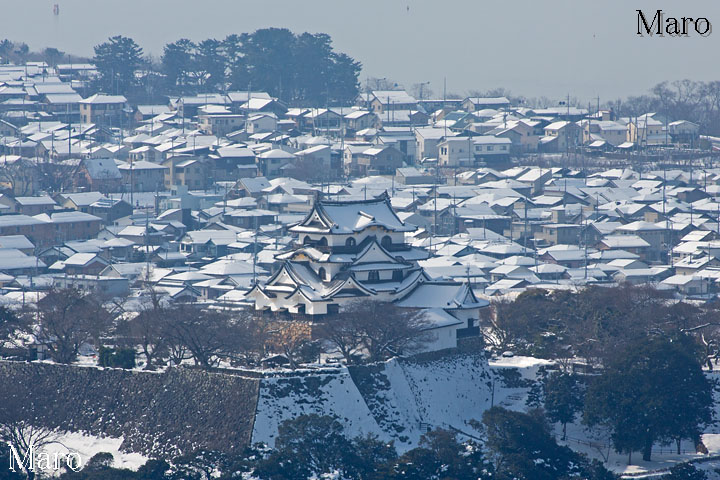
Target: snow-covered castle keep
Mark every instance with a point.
(355, 250)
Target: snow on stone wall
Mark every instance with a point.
(286, 398)
(397, 400)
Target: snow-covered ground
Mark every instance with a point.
(596, 443)
(87, 446)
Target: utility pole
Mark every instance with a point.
(69, 132)
(443, 109)
(254, 281)
(525, 234)
(586, 245)
(437, 174)
(132, 203)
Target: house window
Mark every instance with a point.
(321, 273)
(397, 276)
(386, 241)
(490, 148)
(373, 276)
(350, 242)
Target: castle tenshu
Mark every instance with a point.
(354, 250)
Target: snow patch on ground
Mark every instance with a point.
(88, 445)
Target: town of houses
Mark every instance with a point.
(237, 200)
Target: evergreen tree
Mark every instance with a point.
(441, 456)
(655, 392)
(563, 398)
(177, 63)
(368, 459)
(685, 471)
(523, 449)
(210, 64)
(305, 446)
(116, 61)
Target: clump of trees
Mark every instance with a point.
(116, 61)
(521, 446)
(655, 392)
(65, 320)
(697, 101)
(296, 68)
(594, 324)
(648, 349)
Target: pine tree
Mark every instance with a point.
(563, 399)
(655, 391)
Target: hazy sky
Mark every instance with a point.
(532, 47)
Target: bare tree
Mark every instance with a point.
(289, 338)
(208, 336)
(373, 84)
(19, 425)
(20, 176)
(148, 330)
(65, 320)
(378, 329)
(342, 334)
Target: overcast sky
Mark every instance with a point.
(531, 47)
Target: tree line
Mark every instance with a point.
(299, 69)
(65, 321)
(697, 101)
(596, 323)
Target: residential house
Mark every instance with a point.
(360, 119)
(379, 160)
(389, 100)
(272, 161)
(103, 110)
(100, 174)
(28, 205)
(427, 139)
(110, 210)
(185, 170)
(684, 131)
(559, 136)
(472, 104)
(218, 120)
(142, 176)
(232, 162)
(468, 151)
